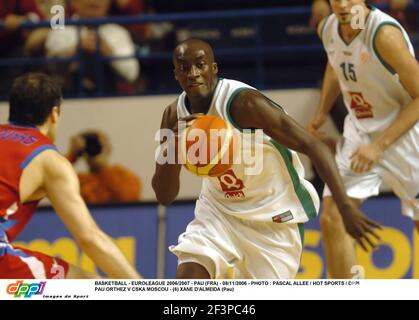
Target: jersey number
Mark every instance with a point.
(348, 71)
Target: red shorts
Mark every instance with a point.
(18, 263)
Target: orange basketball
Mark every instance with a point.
(207, 146)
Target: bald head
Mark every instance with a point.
(193, 46)
(195, 69)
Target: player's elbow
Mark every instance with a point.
(165, 201)
(165, 198)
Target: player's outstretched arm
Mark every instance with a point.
(165, 181)
(62, 188)
(251, 109)
(329, 93)
(393, 49)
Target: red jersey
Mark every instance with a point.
(18, 146)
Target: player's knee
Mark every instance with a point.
(326, 222)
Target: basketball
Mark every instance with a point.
(208, 146)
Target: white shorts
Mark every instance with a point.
(230, 247)
(398, 168)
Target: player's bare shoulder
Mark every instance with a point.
(41, 168)
(387, 36)
(56, 164)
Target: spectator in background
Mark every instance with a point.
(397, 10)
(35, 44)
(13, 13)
(191, 5)
(104, 183)
(114, 41)
(320, 9)
(13, 39)
(46, 5)
(131, 8)
(127, 7)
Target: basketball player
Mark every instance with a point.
(246, 226)
(31, 168)
(375, 70)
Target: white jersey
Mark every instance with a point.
(371, 90)
(279, 193)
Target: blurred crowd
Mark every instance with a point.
(93, 55)
(110, 40)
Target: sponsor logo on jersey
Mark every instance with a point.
(364, 57)
(360, 107)
(231, 185)
(283, 217)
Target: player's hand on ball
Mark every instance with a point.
(177, 129)
(359, 227)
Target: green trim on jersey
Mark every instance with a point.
(386, 65)
(301, 231)
(230, 103)
(300, 190)
(324, 24)
(274, 103)
(357, 36)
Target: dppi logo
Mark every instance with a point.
(27, 290)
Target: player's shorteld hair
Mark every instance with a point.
(32, 97)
